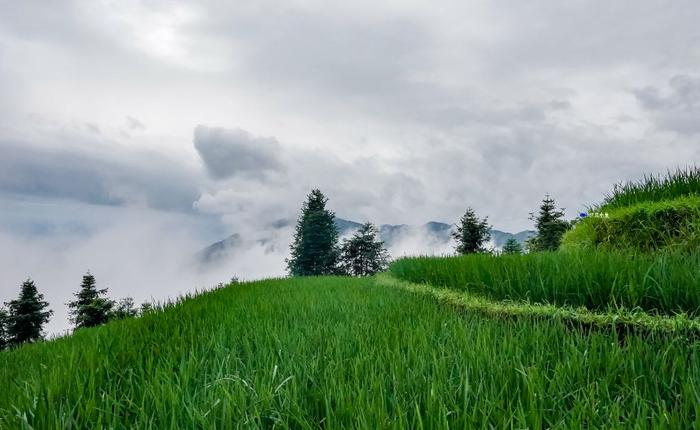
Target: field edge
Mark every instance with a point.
(636, 320)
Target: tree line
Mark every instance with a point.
(24, 318)
(316, 250)
(472, 232)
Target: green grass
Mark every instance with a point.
(346, 353)
(657, 213)
(623, 320)
(654, 188)
(670, 225)
(601, 281)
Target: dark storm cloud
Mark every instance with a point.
(104, 175)
(235, 152)
(270, 180)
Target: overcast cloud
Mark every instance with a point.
(224, 116)
(229, 153)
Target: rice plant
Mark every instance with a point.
(345, 353)
(652, 188)
(669, 225)
(663, 284)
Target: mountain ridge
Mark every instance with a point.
(390, 234)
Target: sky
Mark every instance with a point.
(133, 133)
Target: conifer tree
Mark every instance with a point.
(512, 246)
(315, 248)
(550, 225)
(91, 308)
(364, 254)
(26, 315)
(125, 308)
(471, 233)
(3, 329)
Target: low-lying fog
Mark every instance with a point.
(145, 254)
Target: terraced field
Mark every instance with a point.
(603, 334)
(656, 213)
(661, 284)
(348, 353)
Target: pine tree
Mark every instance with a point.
(471, 233)
(315, 248)
(3, 329)
(512, 246)
(26, 315)
(91, 308)
(550, 225)
(364, 254)
(125, 308)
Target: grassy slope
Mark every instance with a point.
(648, 226)
(654, 213)
(664, 284)
(625, 321)
(345, 353)
(653, 188)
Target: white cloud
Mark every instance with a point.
(400, 112)
(677, 108)
(140, 253)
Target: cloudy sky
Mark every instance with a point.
(132, 129)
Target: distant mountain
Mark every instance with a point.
(439, 231)
(434, 233)
(217, 250)
(344, 226)
(499, 238)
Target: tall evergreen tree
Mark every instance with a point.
(315, 248)
(512, 246)
(550, 225)
(3, 329)
(471, 233)
(364, 254)
(91, 308)
(26, 315)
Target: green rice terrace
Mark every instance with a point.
(604, 333)
(656, 213)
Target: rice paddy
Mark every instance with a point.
(660, 284)
(602, 335)
(346, 353)
(653, 188)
